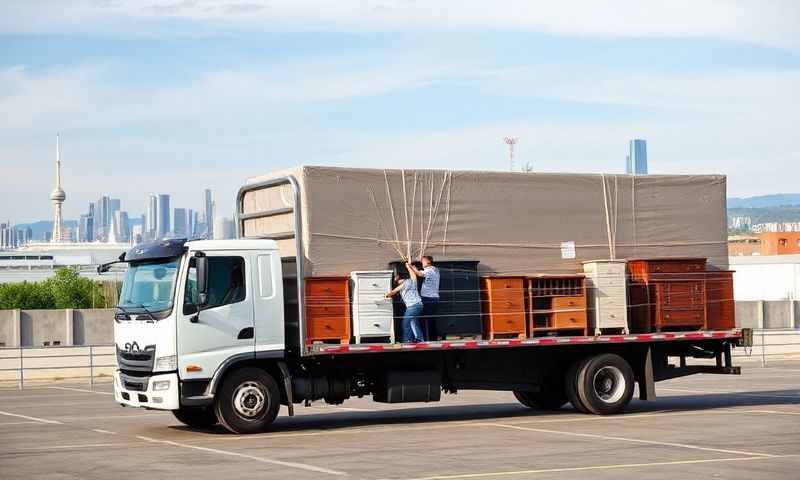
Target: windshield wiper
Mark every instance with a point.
(139, 305)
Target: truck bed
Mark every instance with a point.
(328, 349)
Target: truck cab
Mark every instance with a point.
(188, 309)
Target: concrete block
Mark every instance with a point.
(93, 326)
(748, 314)
(9, 328)
(38, 327)
(778, 314)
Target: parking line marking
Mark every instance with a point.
(301, 466)
(634, 440)
(744, 394)
(35, 419)
(596, 467)
(31, 422)
(774, 412)
(99, 430)
(82, 390)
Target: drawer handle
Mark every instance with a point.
(375, 285)
(509, 303)
(328, 327)
(376, 325)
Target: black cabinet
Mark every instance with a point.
(459, 312)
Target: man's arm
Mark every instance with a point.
(412, 271)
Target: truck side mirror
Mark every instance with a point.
(202, 279)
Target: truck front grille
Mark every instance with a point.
(138, 360)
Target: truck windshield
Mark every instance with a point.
(149, 286)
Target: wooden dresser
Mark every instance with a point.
(372, 311)
(503, 303)
(667, 294)
(327, 309)
(608, 300)
(721, 309)
(557, 304)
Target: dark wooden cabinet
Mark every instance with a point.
(459, 312)
(721, 309)
(556, 304)
(327, 309)
(503, 302)
(667, 294)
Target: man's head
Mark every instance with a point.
(427, 261)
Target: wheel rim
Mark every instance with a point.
(609, 384)
(249, 400)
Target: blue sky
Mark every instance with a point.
(178, 95)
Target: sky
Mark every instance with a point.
(174, 96)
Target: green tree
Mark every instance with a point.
(25, 295)
(70, 290)
(66, 289)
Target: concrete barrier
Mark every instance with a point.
(93, 326)
(778, 314)
(749, 314)
(45, 327)
(9, 328)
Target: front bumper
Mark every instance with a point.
(147, 397)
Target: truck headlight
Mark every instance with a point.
(161, 385)
(167, 363)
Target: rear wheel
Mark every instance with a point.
(605, 384)
(571, 385)
(544, 400)
(247, 401)
(196, 417)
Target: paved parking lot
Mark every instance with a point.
(703, 426)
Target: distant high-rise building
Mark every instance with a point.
(86, 228)
(163, 216)
(636, 161)
(223, 228)
(180, 223)
(190, 223)
(122, 226)
(151, 217)
(208, 214)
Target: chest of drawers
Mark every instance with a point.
(721, 310)
(668, 294)
(607, 292)
(503, 303)
(372, 312)
(327, 309)
(557, 305)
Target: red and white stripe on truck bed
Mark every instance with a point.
(319, 349)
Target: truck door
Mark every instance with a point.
(224, 325)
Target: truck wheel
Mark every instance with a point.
(544, 400)
(571, 385)
(196, 417)
(605, 384)
(247, 401)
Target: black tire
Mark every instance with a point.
(196, 417)
(247, 401)
(544, 400)
(571, 385)
(605, 384)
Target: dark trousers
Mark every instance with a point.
(430, 305)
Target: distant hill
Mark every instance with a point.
(43, 226)
(766, 201)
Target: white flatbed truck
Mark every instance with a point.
(213, 330)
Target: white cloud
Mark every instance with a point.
(753, 21)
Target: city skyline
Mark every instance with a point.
(183, 97)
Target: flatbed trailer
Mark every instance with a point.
(235, 361)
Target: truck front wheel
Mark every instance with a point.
(247, 401)
(605, 384)
(196, 417)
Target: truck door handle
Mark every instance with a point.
(245, 333)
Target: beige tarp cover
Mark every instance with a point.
(513, 223)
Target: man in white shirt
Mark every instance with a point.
(430, 295)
